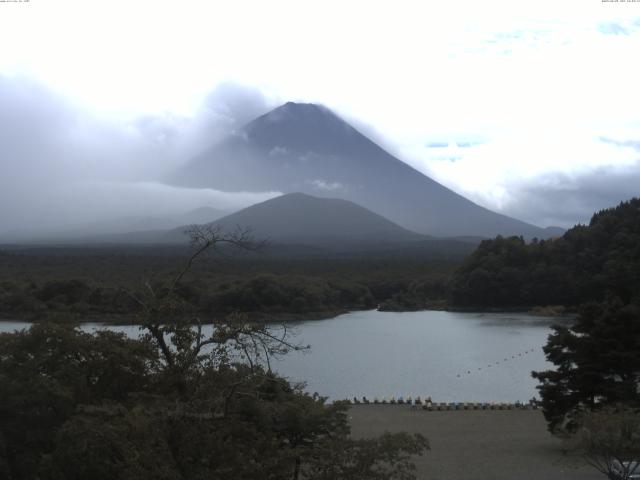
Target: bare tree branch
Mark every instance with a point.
(183, 342)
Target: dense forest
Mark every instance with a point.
(596, 269)
(40, 283)
(586, 264)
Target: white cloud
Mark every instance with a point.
(504, 172)
(112, 199)
(327, 186)
(84, 202)
(60, 164)
(276, 151)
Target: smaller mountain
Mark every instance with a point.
(297, 218)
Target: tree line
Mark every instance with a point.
(587, 263)
(89, 284)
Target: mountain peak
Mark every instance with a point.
(305, 147)
(298, 112)
(302, 105)
(305, 126)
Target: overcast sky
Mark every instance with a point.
(530, 108)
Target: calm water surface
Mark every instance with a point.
(449, 356)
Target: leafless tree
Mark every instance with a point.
(179, 336)
(610, 441)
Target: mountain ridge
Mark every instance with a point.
(298, 218)
(308, 148)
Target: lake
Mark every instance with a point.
(450, 356)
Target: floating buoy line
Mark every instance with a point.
(497, 363)
(426, 403)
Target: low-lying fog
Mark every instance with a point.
(65, 168)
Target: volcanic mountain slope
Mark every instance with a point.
(307, 148)
(297, 218)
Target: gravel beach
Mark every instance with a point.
(477, 444)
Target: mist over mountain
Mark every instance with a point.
(142, 224)
(64, 166)
(130, 229)
(307, 148)
(293, 225)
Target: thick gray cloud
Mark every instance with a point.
(60, 164)
(563, 200)
(225, 109)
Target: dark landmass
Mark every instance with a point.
(307, 148)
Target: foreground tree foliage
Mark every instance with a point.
(585, 264)
(177, 403)
(597, 363)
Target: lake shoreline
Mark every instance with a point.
(132, 319)
(536, 310)
(296, 317)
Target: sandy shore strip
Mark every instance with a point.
(477, 444)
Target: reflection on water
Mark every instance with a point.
(449, 356)
(521, 320)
